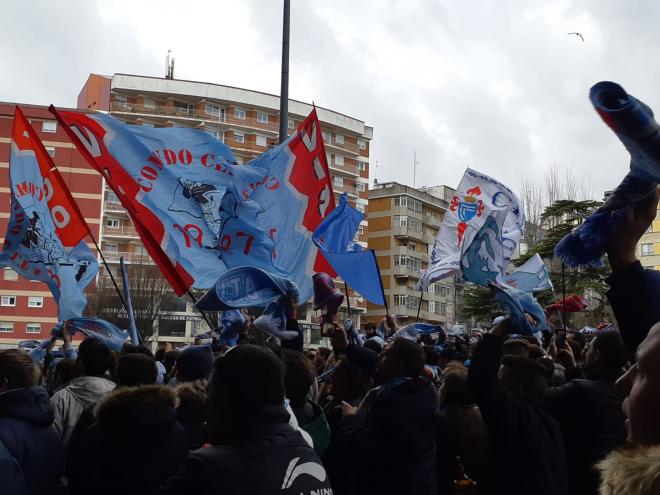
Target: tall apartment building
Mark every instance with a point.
(245, 120)
(403, 225)
(648, 249)
(27, 308)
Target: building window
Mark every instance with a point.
(360, 207)
(361, 187)
(33, 328)
(149, 103)
(647, 249)
(262, 117)
(49, 126)
(239, 113)
(414, 224)
(400, 221)
(400, 200)
(50, 150)
(215, 110)
(148, 124)
(361, 166)
(141, 251)
(8, 301)
(338, 181)
(339, 160)
(443, 308)
(361, 230)
(112, 198)
(112, 223)
(327, 138)
(121, 99)
(289, 124)
(239, 137)
(412, 302)
(35, 302)
(361, 144)
(6, 326)
(111, 247)
(339, 139)
(10, 274)
(215, 134)
(400, 300)
(262, 141)
(412, 246)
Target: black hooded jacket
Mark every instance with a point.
(274, 458)
(390, 445)
(26, 417)
(135, 444)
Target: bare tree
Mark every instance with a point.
(531, 195)
(150, 294)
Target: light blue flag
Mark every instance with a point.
(32, 247)
(520, 304)
(246, 287)
(359, 269)
(482, 259)
(530, 277)
(97, 328)
(188, 193)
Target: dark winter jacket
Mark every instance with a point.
(390, 448)
(275, 459)
(635, 299)
(26, 419)
(135, 444)
(190, 411)
(592, 424)
(527, 443)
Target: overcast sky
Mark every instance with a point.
(498, 86)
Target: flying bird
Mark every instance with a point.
(577, 34)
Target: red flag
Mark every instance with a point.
(88, 136)
(70, 225)
(313, 183)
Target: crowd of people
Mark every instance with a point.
(486, 413)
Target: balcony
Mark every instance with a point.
(133, 258)
(113, 207)
(404, 312)
(123, 231)
(404, 272)
(191, 114)
(346, 147)
(407, 232)
(348, 169)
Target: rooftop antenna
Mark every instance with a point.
(169, 66)
(415, 163)
(376, 171)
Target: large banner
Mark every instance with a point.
(296, 196)
(46, 231)
(477, 195)
(198, 213)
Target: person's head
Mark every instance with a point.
(402, 358)
(454, 388)
(136, 369)
(605, 356)
(246, 381)
(524, 377)
(94, 357)
(160, 354)
(577, 341)
(641, 384)
(311, 354)
(136, 349)
(515, 347)
(169, 359)
(17, 370)
(195, 362)
(349, 382)
(64, 371)
(370, 329)
(299, 375)
(431, 355)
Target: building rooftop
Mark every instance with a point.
(383, 189)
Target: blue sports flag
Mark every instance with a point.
(97, 328)
(482, 259)
(45, 234)
(187, 196)
(530, 277)
(246, 287)
(358, 268)
(526, 313)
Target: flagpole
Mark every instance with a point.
(107, 267)
(194, 300)
(132, 327)
(348, 299)
(563, 291)
(284, 87)
(419, 306)
(380, 280)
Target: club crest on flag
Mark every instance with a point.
(467, 208)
